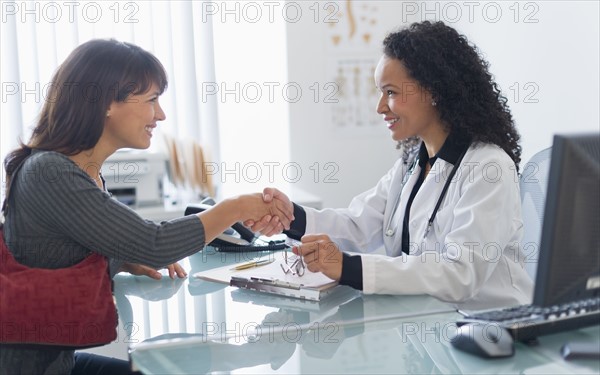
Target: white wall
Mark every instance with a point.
(250, 77)
(348, 161)
(546, 52)
(558, 57)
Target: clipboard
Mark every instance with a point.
(313, 286)
(283, 288)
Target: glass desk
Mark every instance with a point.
(195, 326)
(411, 346)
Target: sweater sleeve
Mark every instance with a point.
(68, 201)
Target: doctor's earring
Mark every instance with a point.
(433, 103)
(107, 113)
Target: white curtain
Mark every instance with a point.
(38, 35)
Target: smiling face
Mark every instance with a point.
(130, 123)
(405, 105)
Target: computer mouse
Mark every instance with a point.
(484, 340)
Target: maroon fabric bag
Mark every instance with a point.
(71, 307)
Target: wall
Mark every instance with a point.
(544, 55)
(348, 159)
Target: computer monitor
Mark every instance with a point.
(569, 261)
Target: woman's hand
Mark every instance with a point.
(320, 254)
(244, 208)
(279, 216)
(141, 270)
(269, 226)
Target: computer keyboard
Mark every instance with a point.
(526, 322)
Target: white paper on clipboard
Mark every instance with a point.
(271, 279)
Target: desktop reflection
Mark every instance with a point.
(287, 340)
(206, 327)
(148, 289)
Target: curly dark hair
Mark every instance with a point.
(468, 100)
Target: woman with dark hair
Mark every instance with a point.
(57, 211)
(448, 213)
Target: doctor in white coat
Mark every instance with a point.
(448, 213)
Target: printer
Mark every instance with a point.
(136, 178)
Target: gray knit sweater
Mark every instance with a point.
(57, 215)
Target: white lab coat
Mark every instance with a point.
(471, 256)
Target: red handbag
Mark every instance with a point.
(71, 307)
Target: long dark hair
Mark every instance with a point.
(94, 75)
(468, 100)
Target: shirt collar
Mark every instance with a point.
(451, 150)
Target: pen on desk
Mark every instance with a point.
(253, 264)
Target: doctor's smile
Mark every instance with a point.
(391, 122)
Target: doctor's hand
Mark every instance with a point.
(272, 212)
(269, 226)
(321, 254)
(141, 270)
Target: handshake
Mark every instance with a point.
(276, 208)
(272, 212)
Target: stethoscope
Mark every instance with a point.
(390, 231)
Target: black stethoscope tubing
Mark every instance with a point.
(389, 231)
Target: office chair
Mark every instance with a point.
(533, 183)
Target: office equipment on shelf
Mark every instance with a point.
(272, 279)
(136, 178)
(567, 284)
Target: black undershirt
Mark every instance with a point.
(405, 232)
